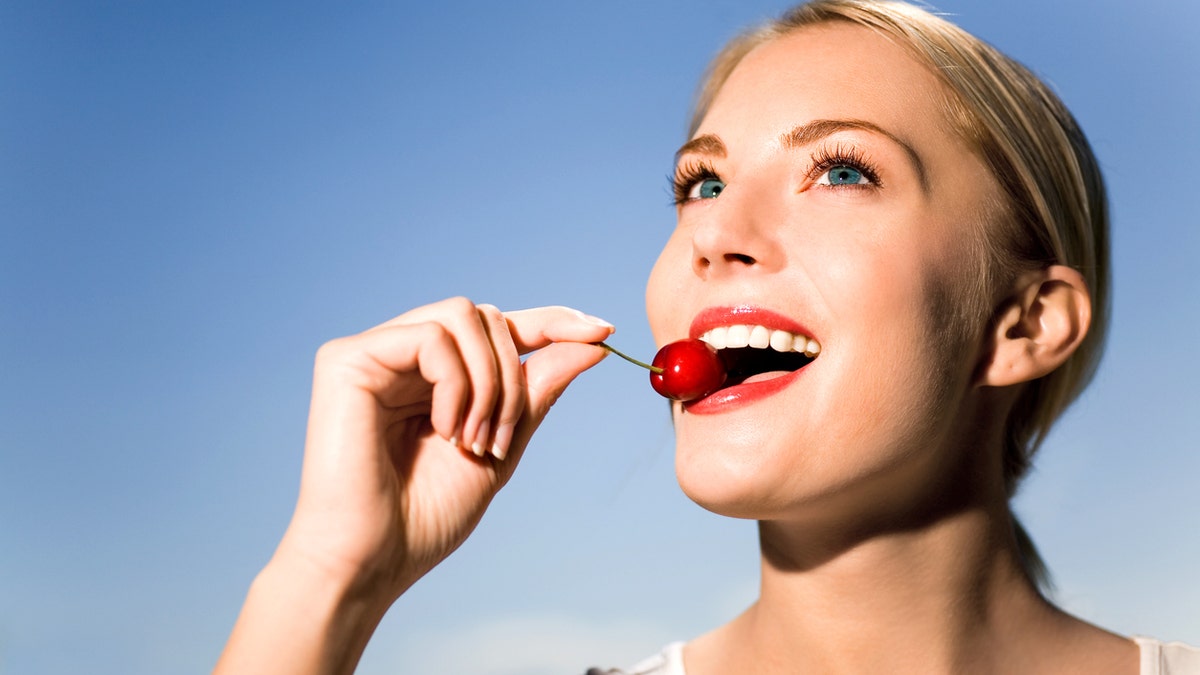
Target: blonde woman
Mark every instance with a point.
(864, 177)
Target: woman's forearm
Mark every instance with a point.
(298, 620)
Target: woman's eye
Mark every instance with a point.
(843, 175)
(709, 188)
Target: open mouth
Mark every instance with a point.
(753, 353)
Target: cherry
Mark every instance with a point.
(690, 369)
(684, 370)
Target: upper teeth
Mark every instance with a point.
(760, 337)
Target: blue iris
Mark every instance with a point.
(845, 175)
(709, 188)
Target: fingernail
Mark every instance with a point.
(594, 320)
(481, 436)
(504, 434)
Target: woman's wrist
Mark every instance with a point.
(300, 618)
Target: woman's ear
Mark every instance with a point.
(1038, 326)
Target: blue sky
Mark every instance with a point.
(194, 196)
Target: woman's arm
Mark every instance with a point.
(414, 426)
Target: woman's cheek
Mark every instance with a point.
(664, 287)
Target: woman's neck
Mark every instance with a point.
(949, 597)
(920, 596)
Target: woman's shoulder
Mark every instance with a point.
(1167, 658)
(667, 662)
(1157, 658)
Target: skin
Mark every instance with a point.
(390, 484)
(876, 477)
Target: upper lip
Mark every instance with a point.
(714, 317)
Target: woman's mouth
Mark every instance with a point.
(763, 351)
(753, 353)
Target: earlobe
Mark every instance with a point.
(1038, 327)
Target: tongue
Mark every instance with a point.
(759, 377)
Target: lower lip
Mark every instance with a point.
(730, 398)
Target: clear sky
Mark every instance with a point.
(194, 196)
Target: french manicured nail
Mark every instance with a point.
(479, 447)
(594, 320)
(504, 434)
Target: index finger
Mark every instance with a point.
(535, 328)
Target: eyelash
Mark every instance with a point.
(825, 158)
(828, 157)
(688, 174)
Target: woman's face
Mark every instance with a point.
(825, 195)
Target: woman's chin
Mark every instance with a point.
(725, 490)
(729, 508)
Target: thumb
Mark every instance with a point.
(547, 374)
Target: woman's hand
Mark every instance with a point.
(387, 490)
(414, 426)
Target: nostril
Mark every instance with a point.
(740, 258)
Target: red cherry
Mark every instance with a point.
(690, 369)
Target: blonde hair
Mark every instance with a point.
(1056, 208)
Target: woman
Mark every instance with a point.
(860, 175)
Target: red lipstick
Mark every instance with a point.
(713, 317)
(745, 393)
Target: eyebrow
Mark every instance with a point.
(809, 133)
(708, 144)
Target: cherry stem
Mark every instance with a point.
(630, 359)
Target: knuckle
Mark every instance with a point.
(432, 331)
(342, 361)
(492, 315)
(331, 351)
(460, 305)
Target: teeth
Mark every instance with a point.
(760, 337)
(738, 336)
(782, 341)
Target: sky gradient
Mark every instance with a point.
(195, 196)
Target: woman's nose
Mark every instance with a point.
(734, 237)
